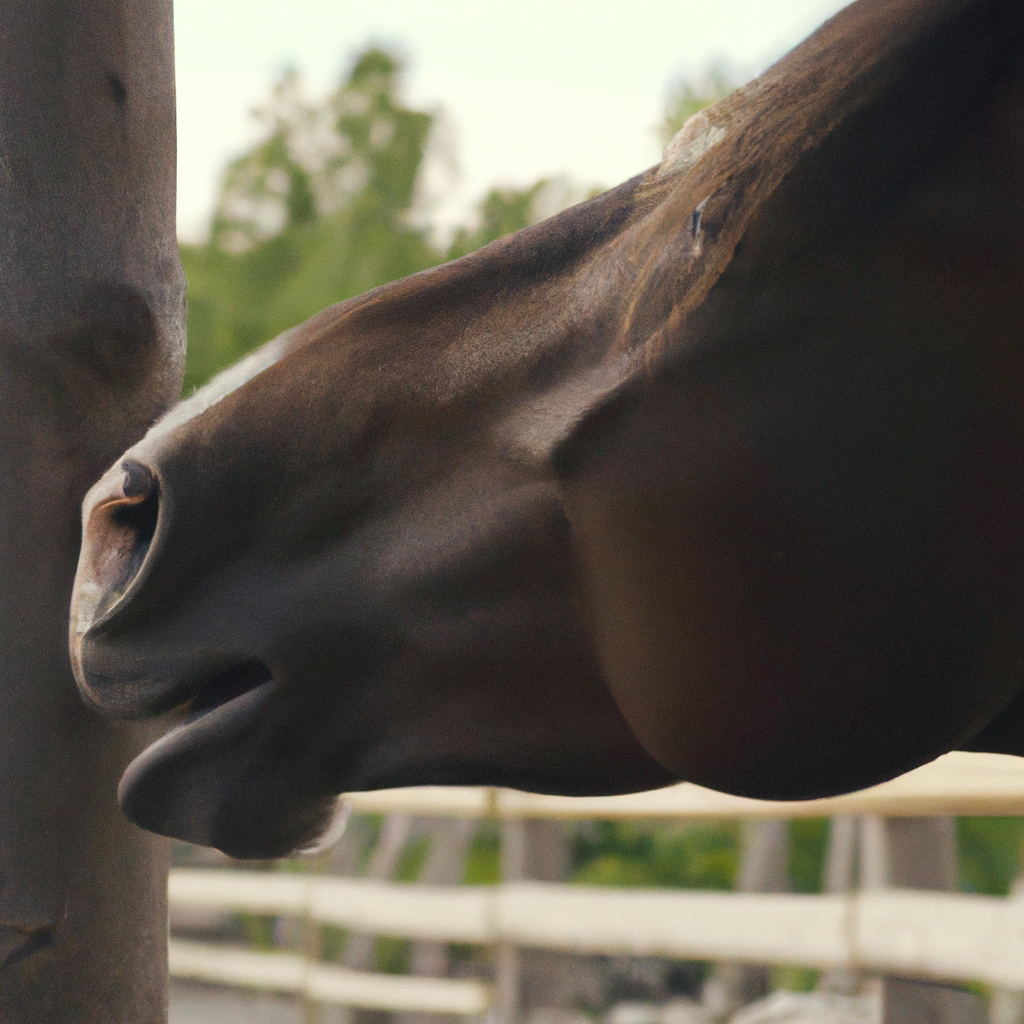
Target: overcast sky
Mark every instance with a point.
(530, 88)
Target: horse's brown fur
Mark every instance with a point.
(715, 476)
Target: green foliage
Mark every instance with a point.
(790, 978)
(333, 941)
(705, 856)
(315, 213)
(990, 853)
(631, 854)
(483, 862)
(258, 930)
(320, 210)
(686, 98)
(414, 856)
(808, 848)
(392, 955)
(358, 146)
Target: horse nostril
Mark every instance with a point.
(136, 518)
(138, 479)
(121, 514)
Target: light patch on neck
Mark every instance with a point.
(226, 382)
(702, 132)
(705, 130)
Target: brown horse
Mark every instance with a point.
(718, 476)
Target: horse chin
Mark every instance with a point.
(211, 781)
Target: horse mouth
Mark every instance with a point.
(227, 777)
(176, 786)
(225, 687)
(221, 713)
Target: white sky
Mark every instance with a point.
(531, 88)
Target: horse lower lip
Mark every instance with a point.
(226, 686)
(177, 785)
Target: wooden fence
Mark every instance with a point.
(939, 936)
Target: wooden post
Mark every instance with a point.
(916, 853)
(91, 351)
(311, 942)
(1006, 1006)
(394, 834)
(526, 980)
(763, 867)
(450, 841)
(841, 874)
(507, 957)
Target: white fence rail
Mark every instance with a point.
(957, 783)
(937, 936)
(927, 935)
(297, 975)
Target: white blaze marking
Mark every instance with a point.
(226, 382)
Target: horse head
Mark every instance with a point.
(717, 476)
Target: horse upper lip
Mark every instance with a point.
(109, 689)
(123, 696)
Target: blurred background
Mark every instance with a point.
(325, 148)
(412, 919)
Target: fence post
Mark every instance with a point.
(91, 351)
(763, 867)
(450, 841)
(394, 834)
(537, 849)
(312, 942)
(841, 874)
(1007, 1005)
(507, 958)
(916, 853)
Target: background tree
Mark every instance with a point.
(505, 210)
(687, 97)
(318, 211)
(324, 207)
